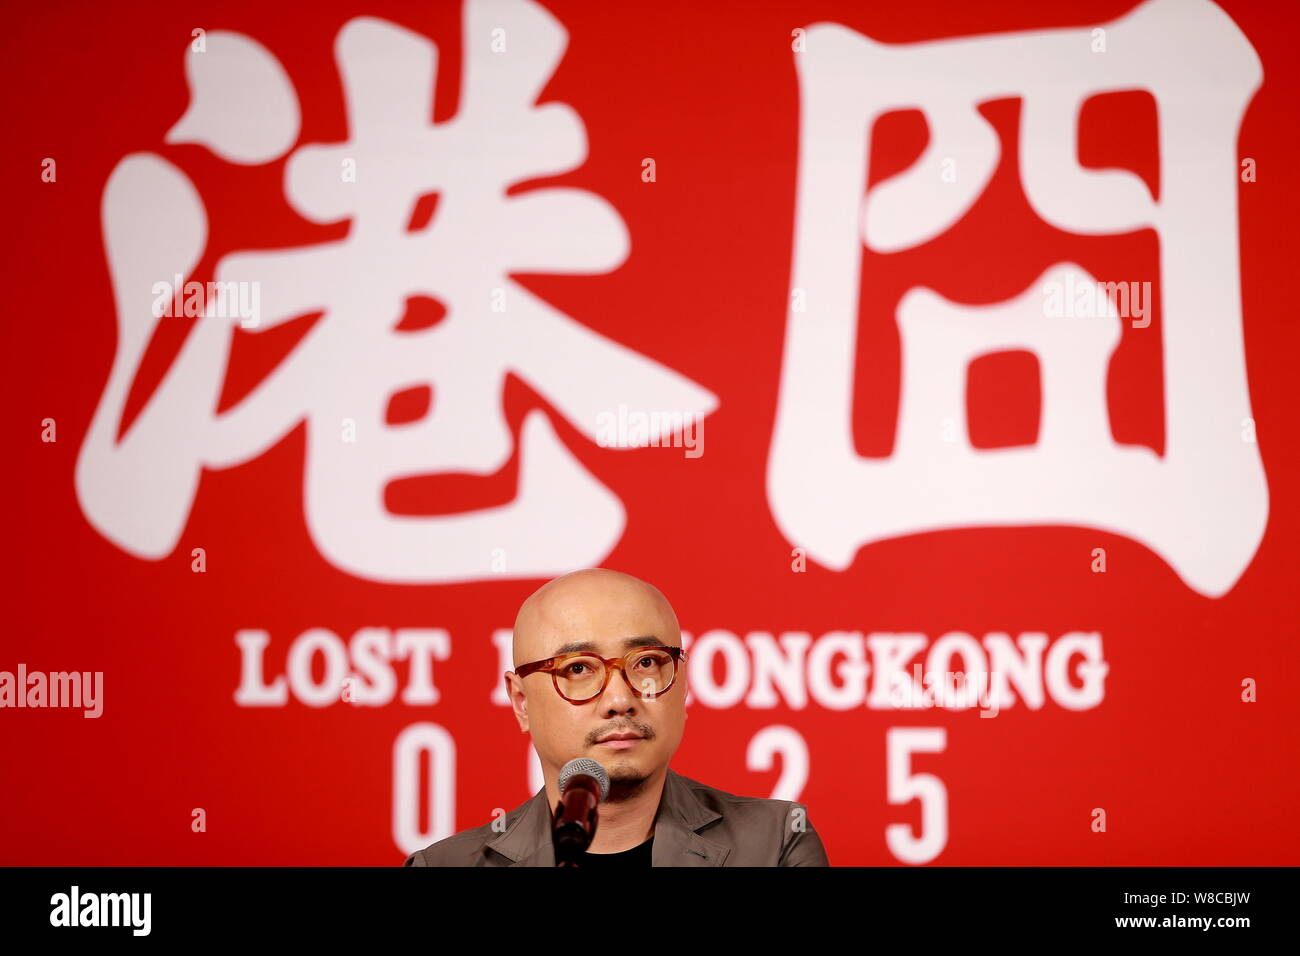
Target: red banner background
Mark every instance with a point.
(1186, 771)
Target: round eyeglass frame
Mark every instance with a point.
(552, 666)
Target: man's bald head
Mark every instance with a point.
(587, 603)
(606, 614)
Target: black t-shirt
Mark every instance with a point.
(637, 856)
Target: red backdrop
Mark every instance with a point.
(678, 225)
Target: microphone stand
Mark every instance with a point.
(573, 825)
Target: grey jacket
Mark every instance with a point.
(696, 825)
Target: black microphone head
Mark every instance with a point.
(587, 767)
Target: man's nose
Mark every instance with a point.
(617, 698)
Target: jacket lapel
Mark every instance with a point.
(528, 842)
(680, 815)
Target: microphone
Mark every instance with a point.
(583, 784)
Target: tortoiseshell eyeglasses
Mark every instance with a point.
(582, 676)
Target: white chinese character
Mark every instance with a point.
(1203, 505)
(340, 378)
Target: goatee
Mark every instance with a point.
(625, 782)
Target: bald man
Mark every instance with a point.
(600, 673)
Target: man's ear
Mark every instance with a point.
(518, 700)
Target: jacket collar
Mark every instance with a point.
(677, 842)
